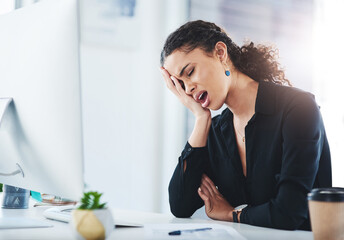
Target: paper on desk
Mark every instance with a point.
(22, 222)
(218, 232)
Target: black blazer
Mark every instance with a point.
(287, 154)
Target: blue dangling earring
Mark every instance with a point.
(227, 73)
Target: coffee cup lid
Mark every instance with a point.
(334, 194)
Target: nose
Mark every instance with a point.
(189, 88)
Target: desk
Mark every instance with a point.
(63, 231)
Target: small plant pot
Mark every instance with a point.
(92, 224)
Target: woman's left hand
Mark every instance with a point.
(216, 206)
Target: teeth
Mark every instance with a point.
(200, 96)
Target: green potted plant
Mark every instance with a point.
(92, 220)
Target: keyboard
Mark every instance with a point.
(64, 214)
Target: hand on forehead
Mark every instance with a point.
(179, 61)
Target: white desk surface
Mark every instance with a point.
(62, 230)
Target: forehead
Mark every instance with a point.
(178, 59)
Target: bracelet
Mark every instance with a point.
(236, 212)
(235, 216)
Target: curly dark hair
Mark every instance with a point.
(258, 62)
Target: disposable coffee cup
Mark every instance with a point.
(326, 209)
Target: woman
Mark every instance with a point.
(266, 150)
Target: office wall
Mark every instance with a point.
(133, 127)
(328, 78)
(6, 6)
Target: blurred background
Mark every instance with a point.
(135, 129)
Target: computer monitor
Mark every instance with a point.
(41, 128)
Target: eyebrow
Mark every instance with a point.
(182, 71)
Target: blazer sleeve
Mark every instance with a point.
(303, 136)
(183, 195)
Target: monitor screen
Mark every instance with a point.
(41, 128)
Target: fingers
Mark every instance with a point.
(207, 188)
(178, 86)
(210, 184)
(202, 194)
(206, 191)
(205, 198)
(169, 82)
(172, 83)
(165, 73)
(211, 188)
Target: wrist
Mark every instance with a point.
(237, 213)
(230, 216)
(203, 122)
(203, 117)
(200, 132)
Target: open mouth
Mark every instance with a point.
(203, 99)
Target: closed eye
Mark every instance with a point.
(190, 73)
(182, 84)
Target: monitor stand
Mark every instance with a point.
(4, 103)
(6, 221)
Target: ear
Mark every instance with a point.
(220, 51)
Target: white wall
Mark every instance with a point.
(6, 6)
(328, 53)
(133, 127)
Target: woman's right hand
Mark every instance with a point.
(188, 100)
